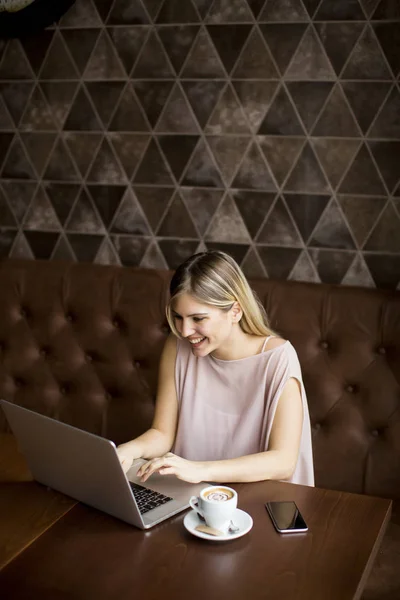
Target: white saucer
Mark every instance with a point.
(240, 518)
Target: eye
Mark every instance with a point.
(198, 319)
(177, 318)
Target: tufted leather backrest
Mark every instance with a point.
(81, 343)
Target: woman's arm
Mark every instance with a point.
(160, 437)
(278, 462)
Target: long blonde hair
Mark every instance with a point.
(214, 278)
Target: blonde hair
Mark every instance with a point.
(214, 278)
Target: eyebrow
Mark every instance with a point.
(192, 315)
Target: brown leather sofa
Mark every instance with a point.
(81, 343)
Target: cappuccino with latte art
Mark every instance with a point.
(219, 494)
(216, 505)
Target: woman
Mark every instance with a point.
(231, 402)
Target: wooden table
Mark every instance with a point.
(79, 553)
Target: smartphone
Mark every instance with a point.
(286, 517)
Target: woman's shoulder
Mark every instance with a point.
(274, 342)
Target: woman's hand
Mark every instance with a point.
(170, 464)
(126, 454)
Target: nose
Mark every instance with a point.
(186, 328)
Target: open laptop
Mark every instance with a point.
(86, 467)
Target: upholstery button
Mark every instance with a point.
(44, 352)
(70, 317)
(375, 432)
(89, 357)
(24, 313)
(351, 389)
(165, 329)
(138, 364)
(64, 389)
(19, 382)
(109, 396)
(317, 426)
(382, 350)
(324, 345)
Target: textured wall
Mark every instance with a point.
(138, 131)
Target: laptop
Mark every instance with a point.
(86, 467)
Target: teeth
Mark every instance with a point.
(196, 341)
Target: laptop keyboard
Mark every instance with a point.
(147, 499)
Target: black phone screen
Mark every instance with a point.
(286, 517)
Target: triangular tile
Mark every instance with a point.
(62, 197)
(226, 11)
(256, 6)
(365, 99)
(280, 153)
(228, 153)
(17, 165)
(388, 35)
(252, 266)
(201, 170)
(369, 6)
(203, 7)
(106, 199)
(85, 246)
(104, 62)
(229, 41)
(128, 12)
(16, 97)
(178, 41)
(82, 117)
(253, 172)
(340, 10)
(21, 248)
(80, 43)
(387, 123)
(177, 221)
(177, 116)
(5, 143)
(7, 218)
(152, 62)
(311, 6)
(307, 176)
(60, 167)
(387, 9)
(347, 33)
(306, 210)
(58, 63)
(41, 214)
(366, 60)
(228, 115)
(203, 61)
(103, 8)
(62, 250)
(331, 265)
(278, 262)
(129, 217)
(282, 40)
(152, 7)
(106, 254)
(202, 205)
(385, 235)
(36, 46)
(42, 243)
(37, 114)
(83, 147)
(83, 217)
(19, 195)
(14, 64)
(387, 157)
(227, 225)
(335, 156)
(105, 96)
(38, 147)
(153, 168)
(152, 96)
(336, 118)
(362, 177)
(5, 119)
(176, 11)
(128, 115)
(237, 251)
(203, 97)
(253, 207)
(255, 61)
(279, 228)
(384, 268)
(128, 42)
(153, 259)
(309, 98)
(281, 118)
(176, 251)
(154, 202)
(178, 149)
(81, 14)
(310, 60)
(332, 230)
(59, 97)
(255, 98)
(105, 167)
(131, 249)
(362, 213)
(304, 270)
(358, 274)
(129, 148)
(283, 10)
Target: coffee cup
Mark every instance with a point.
(217, 505)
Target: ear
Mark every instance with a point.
(237, 312)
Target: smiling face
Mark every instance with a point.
(207, 328)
